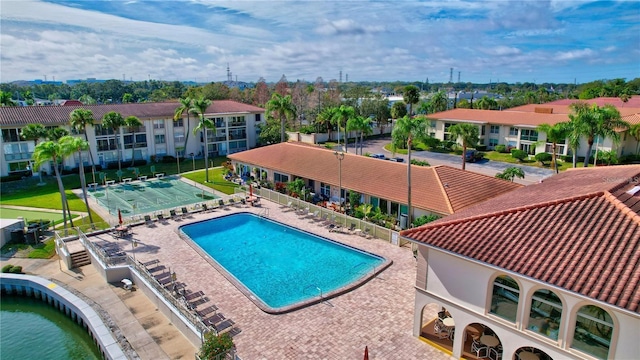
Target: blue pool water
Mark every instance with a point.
(279, 264)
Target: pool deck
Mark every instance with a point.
(378, 314)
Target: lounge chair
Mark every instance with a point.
(147, 220)
(224, 326)
(205, 208)
(185, 212)
(352, 228)
(173, 214)
(231, 201)
(161, 218)
(315, 214)
(289, 204)
(214, 319)
(221, 203)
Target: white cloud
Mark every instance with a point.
(575, 54)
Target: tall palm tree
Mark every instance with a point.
(596, 122)
(34, 132)
(283, 109)
(323, 120)
(439, 102)
(79, 119)
(133, 122)
(365, 129)
(69, 145)
(555, 134)
(408, 129)
(114, 121)
(199, 108)
(340, 117)
(5, 99)
(468, 134)
(575, 127)
(185, 104)
(411, 96)
(56, 133)
(634, 131)
(51, 151)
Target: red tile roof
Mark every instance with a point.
(579, 230)
(527, 114)
(58, 115)
(439, 189)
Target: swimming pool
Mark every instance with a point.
(278, 267)
(140, 197)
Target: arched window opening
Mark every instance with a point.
(593, 331)
(504, 299)
(546, 311)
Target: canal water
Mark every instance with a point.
(32, 329)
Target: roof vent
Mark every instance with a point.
(634, 190)
(543, 110)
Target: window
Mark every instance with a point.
(178, 137)
(258, 117)
(19, 166)
(528, 148)
(158, 124)
(280, 177)
(141, 140)
(593, 331)
(374, 201)
(447, 126)
(102, 131)
(493, 142)
(483, 130)
(325, 190)
(106, 144)
(559, 148)
(159, 139)
(178, 123)
(513, 131)
(505, 297)
(494, 129)
(528, 135)
(11, 135)
(432, 123)
(545, 315)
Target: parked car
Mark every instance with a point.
(396, 159)
(378, 156)
(473, 155)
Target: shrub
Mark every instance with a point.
(481, 147)
(12, 177)
(432, 142)
(542, 157)
(16, 270)
(448, 145)
(424, 219)
(215, 345)
(419, 162)
(7, 268)
(458, 151)
(629, 159)
(501, 148)
(519, 154)
(168, 159)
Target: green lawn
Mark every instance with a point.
(54, 217)
(216, 180)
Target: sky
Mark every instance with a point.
(556, 41)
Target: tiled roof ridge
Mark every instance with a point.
(441, 185)
(624, 209)
(516, 210)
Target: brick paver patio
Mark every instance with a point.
(378, 314)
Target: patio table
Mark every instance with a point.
(489, 340)
(527, 355)
(448, 322)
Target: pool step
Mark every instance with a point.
(80, 258)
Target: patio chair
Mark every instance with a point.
(495, 354)
(232, 202)
(173, 214)
(352, 228)
(185, 212)
(205, 208)
(324, 220)
(147, 220)
(221, 203)
(478, 348)
(161, 217)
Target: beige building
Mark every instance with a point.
(235, 130)
(547, 271)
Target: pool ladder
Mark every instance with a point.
(313, 287)
(264, 213)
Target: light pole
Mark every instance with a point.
(340, 157)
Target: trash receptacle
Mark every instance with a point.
(17, 236)
(403, 221)
(31, 236)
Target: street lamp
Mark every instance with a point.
(340, 157)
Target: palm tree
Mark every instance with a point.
(5, 99)
(185, 104)
(68, 146)
(323, 120)
(634, 131)
(468, 134)
(133, 122)
(51, 151)
(283, 108)
(199, 108)
(114, 121)
(79, 119)
(439, 102)
(365, 129)
(57, 133)
(555, 134)
(34, 132)
(411, 95)
(406, 129)
(510, 173)
(340, 117)
(596, 121)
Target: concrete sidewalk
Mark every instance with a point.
(141, 328)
